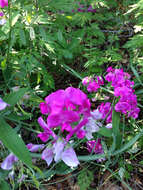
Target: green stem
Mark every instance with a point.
(10, 26)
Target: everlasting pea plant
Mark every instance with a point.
(67, 114)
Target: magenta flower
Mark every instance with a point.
(64, 117)
(86, 80)
(92, 85)
(44, 136)
(127, 103)
(122, 107)
(44, 108)
(3, 3)
(3, 104)
(56, 101)
(95, 146)
(106, 111)
(65, 109)
(1, 14)
(76, 130)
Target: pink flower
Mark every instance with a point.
(106, 110)
(44, 108)
(64, 109)
(59, 152)
(56, 101)
(1, 14)
(92, 85)
(96, 114)
(127, 103)
(76, 129)
(35, 147)
(86, 80)
(7, 164)
(91, 127)
(44, 136)
(3, 3)
(3, 104)
(122, 107)
(54, 120)
(95, 146)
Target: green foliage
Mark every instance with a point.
(44, 40)
(14, 143)
(85, 177)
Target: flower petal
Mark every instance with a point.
(35, 147)
(7, 164)
(58, 149)
(48, 155)
(70, 158)
(2, 104)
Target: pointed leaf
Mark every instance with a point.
(129, 144)
(14, 143)
(14, 97)
(105, 132)
(4, 185)
(115, 127)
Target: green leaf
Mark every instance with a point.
(129, 144)
(14, 97)
(60, 36)
(137, 75)
(22, 37)
(70, 70)
(91, 157)
(15, 17)
(4, 185)
(43, 34)
(49, 47)
(115, 128)
(14, 143)
(105, 132)
(32, 33)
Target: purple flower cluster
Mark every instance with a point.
(106, 110)
(67, 110)
(123, 88)
(92, 84)
(63, 109)
(83, 8)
